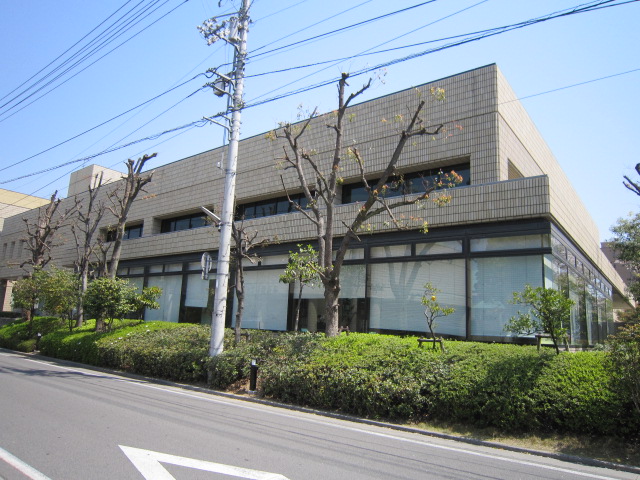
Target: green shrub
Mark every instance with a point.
(174, 351)
(371, 375)
(489, 385)
(18, 336)
(575, 394)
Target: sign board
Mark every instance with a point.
(206, 263)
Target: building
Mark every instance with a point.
(13, 204)
(516, 220)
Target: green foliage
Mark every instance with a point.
(370, 375)
(109, 298)
(510, 387)
(624, 353)
(549, 312)
(147, 299)
(575, 393)
(626, 245)
(175, 351)
(21, 336)
(433, 310)
(302, 267)
(25, 292)
(59, 292)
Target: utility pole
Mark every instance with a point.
(234, 32)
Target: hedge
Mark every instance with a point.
(511, 387)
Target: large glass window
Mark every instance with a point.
(198, 302)
(352, 308)
(397, 289)
(169, 300)
(266, 300)
(493, 281)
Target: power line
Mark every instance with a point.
(100, 125)
(78, 62)
(342, 29)
(578, 9)
(467, 38)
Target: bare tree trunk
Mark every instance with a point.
(296, 322)
(331, 296)
(240, 297)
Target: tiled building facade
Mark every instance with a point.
(517, 220)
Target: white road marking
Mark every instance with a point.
(22, 467)
(148, 464)
(205, 397)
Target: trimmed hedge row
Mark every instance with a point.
(514, 388)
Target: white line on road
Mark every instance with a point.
(148, 464)
(22, 467)
(237, 403)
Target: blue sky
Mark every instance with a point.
(592, 128)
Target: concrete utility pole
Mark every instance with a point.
(236, 35)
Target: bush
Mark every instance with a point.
(19, 336)
(10, 315)
(575, 394)
(370, 375)
(174, 351)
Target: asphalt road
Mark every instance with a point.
(59, 421)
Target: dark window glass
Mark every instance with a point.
(130, 232)
(406, 184)
(185, 222)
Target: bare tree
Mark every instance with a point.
(84, 232)
(321, 193)
(121, 200)
(41, 234)
(633, 186)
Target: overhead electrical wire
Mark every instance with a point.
(101, 124)
(366, 51)
(63, 53)
(338, 30)
(78, 62)
(473, 37)
(578, 9)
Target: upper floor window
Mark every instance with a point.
(184, 222)
(409, 183)
(130, 232)
(265, 208)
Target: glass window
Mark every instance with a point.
(352, 305)
(173, 267)
(397, 289)
(275, 260)
(509, 243)
(352, 254)
(391, 251)
(156, 269)
(493, 281)
(184, 222)
(169, 300)
(197, 292)
(266, 300)
(136, 270)
(439, 248)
